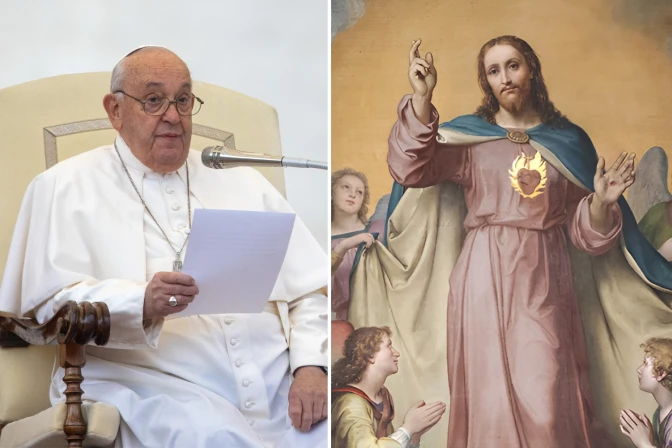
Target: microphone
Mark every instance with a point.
(220, 157)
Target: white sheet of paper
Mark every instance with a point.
(235, 257)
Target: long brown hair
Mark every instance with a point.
(359, 348)
(539, 94)
(336, 176)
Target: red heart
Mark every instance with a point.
(528, 180)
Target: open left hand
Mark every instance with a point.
(308, 397)
(610, 185)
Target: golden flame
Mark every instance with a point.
(531, 164)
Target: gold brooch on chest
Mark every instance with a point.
(528, 175)
(518, 137)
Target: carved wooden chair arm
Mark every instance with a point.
(73, 327)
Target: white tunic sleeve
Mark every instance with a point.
(308, 337)
(125, 300)
(402, 436)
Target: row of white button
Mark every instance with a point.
(239, 363)
(176, 207)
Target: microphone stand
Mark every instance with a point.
(220, 157)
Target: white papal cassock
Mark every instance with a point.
(201, 381)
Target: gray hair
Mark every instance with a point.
(119, 70)
(118, 73)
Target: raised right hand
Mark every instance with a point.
(164, 285)
(422, 417)
(421, 72)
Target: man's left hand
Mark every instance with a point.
(610, 185)
(308, 397)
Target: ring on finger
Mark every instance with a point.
(172, 301)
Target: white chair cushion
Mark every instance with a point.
(45, 430)
(25, 376)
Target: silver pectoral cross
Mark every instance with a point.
(177, 264)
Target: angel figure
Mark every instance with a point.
(651, 201)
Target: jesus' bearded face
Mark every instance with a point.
(509, 77)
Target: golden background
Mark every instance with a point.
(606, 65)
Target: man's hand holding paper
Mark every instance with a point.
(235, 257)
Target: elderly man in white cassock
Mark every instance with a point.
(110, 225)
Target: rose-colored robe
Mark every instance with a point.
(517, 364)
(340, 279)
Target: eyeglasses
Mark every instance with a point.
(158, 105)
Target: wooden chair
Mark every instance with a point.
(74, 326)
(41, 123)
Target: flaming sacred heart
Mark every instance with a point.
(528, 175)
(528, 180)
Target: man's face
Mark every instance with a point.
(508, 76)
(159, 142)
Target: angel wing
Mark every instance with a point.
(380, 214)
(650, 187)
(344, 14)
